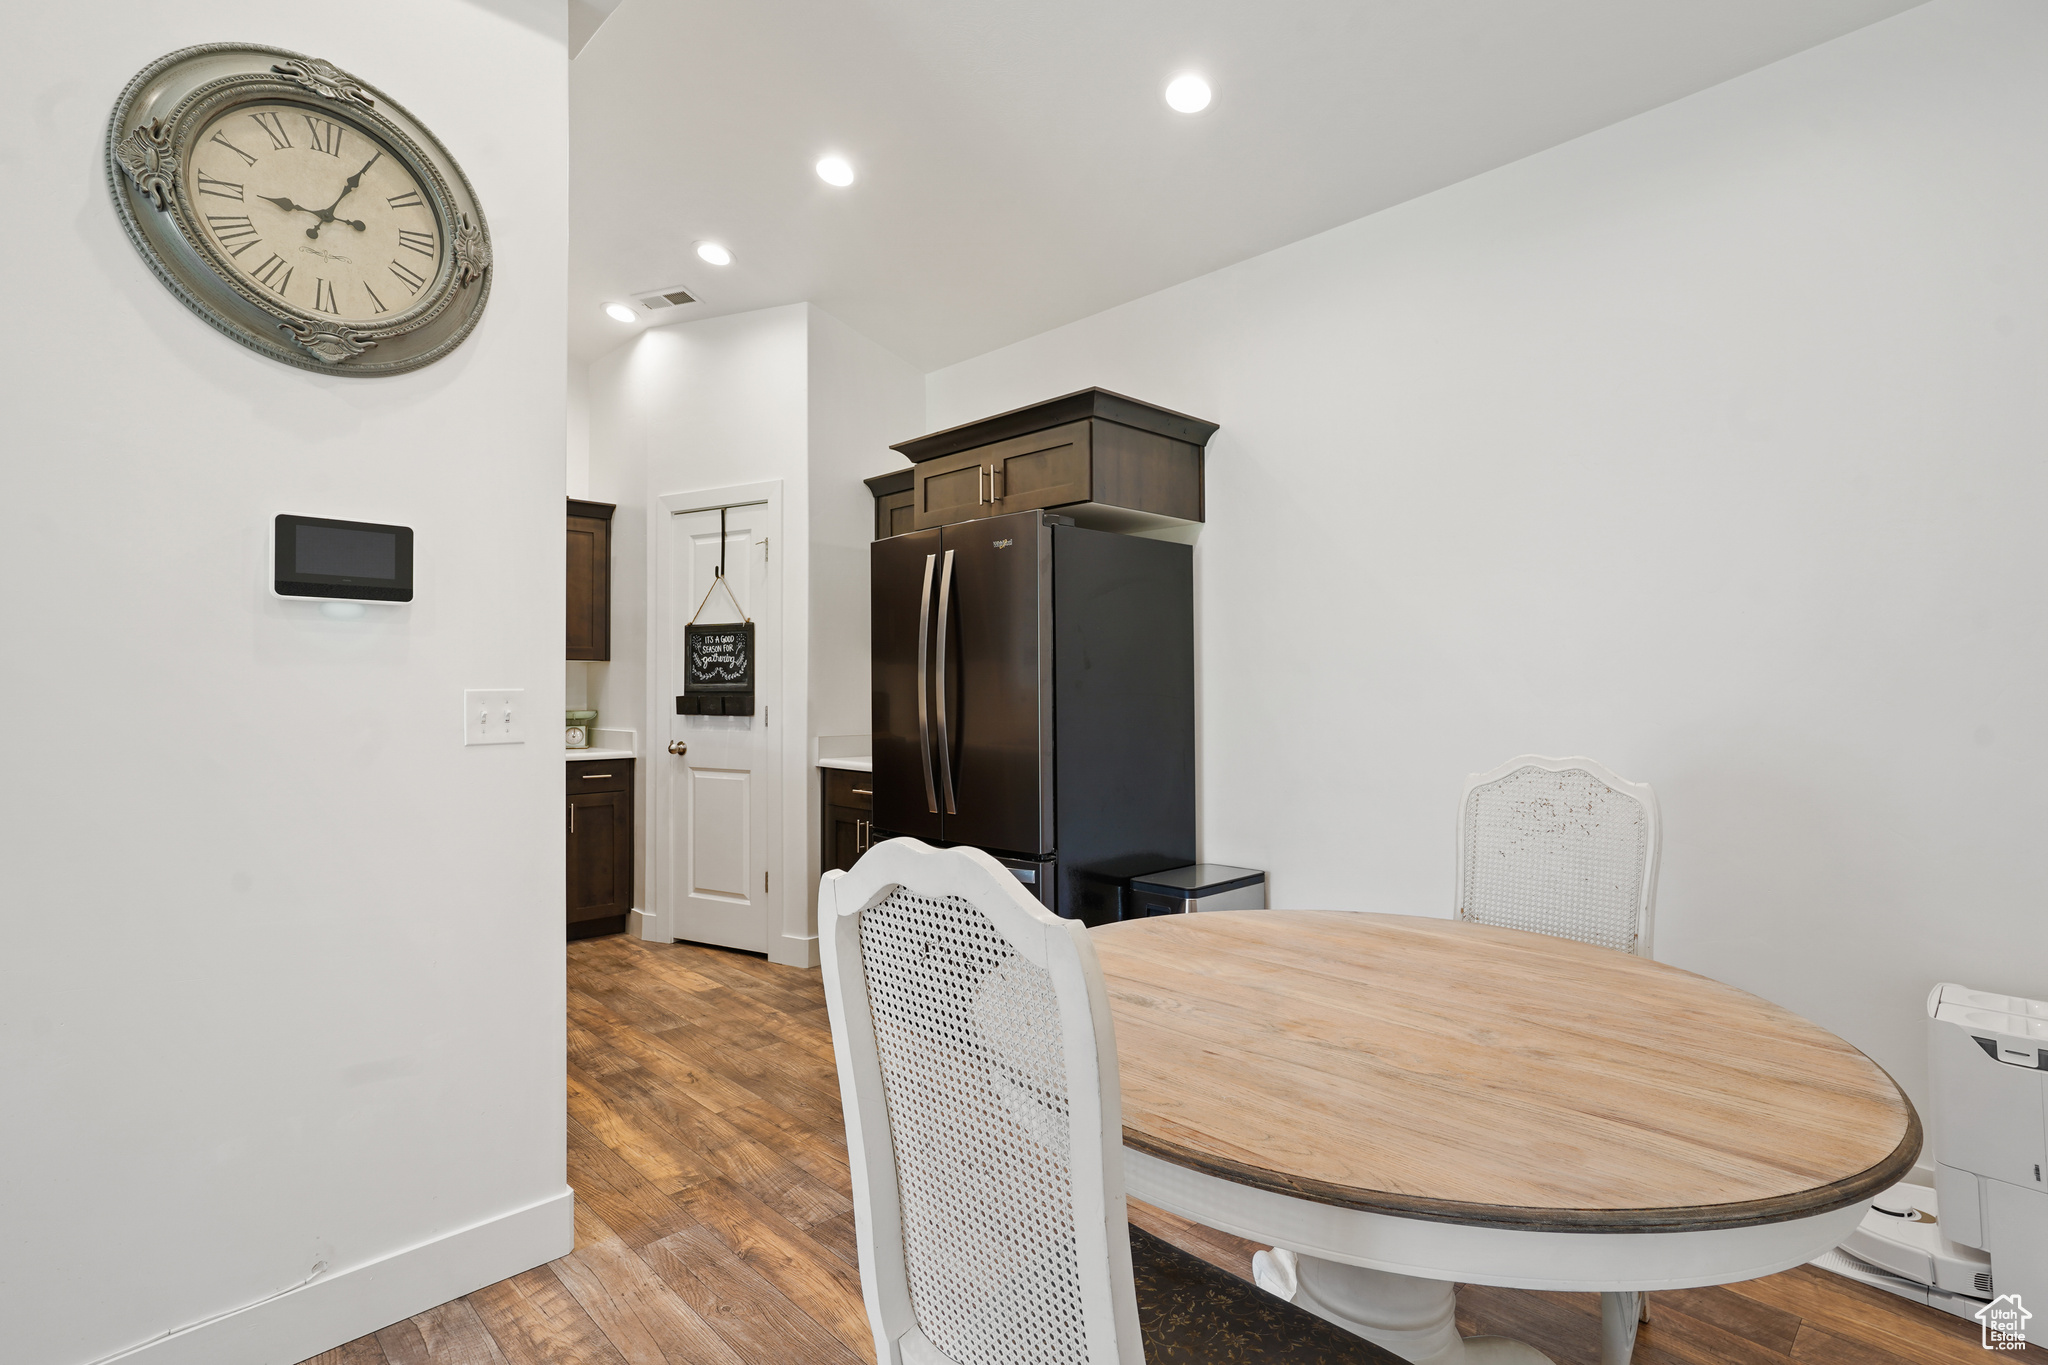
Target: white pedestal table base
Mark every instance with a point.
(1414, 1318)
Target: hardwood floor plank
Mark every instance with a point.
(1566, 1335)
(1816, 1347)
(536, 1321)
(403, 1344)
(706, 1146)
(805, 1092)
(614, 1285)
(1860, 1314)
(591, 1053)
(361, 1351)
(704, 1084)
(628, 1005)
(797, 1142)
(839, 1236)
(637, 1211)
(589, 1227)
(808, 1275)
(654, 1153)
(676, 1145)
(1696, 1341)
(454, 1335)
(801, 1197)
(755, 1319)
(613, 1313)
(1772, 1328)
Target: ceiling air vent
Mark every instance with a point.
(658, 299)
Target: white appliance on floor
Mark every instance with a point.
(1981, 1233)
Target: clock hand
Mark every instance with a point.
(349, 188)
(326, 215)
(288, 205)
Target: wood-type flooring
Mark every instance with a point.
(714, 1224)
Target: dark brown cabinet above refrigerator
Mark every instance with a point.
(893, 494)
(590, 580)
(1108, 462)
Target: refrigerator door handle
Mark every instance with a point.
(924, 728)
(945, 748)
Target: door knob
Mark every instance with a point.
(678, 747)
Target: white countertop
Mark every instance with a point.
(848, 765)
(578, 755)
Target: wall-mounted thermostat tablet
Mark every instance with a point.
(357, 560)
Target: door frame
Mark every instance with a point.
(662, 628)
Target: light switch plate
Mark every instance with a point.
(494, 716)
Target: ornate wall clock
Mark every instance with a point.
(298, 210)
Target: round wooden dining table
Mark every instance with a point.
(1405, 1103)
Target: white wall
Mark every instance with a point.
(282, 983)
(862, 397)
(1708, 445)
(578, 462)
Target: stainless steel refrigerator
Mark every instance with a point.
(1034, 697)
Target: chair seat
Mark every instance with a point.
(1191, 1313)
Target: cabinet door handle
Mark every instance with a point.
(993, 471)
(861, 791)
(572, 819)
(981, 482)
(592, 777)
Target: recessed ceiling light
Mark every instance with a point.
(714, 253)
(835, 170)
(1189, 94)
(618, 312)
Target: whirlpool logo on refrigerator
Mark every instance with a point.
(1002, 544)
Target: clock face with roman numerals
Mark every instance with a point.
(314, 210)
(298, 210)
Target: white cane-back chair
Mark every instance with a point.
(977, 1070)
(1565, 847)
(1559, 846)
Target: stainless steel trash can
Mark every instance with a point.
(1199, 886)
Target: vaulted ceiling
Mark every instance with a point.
(1018, 167)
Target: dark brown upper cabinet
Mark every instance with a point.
(590, 580)
(1109, 462)
(893, 496)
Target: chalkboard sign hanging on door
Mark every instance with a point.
(718, 660)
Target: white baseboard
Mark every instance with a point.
(640, 924)
(303, 1322)
(792, 950)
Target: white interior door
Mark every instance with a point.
(719, 784)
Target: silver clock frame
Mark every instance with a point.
(149, 138)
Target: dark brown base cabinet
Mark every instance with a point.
(600, 824)
(849, 818)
